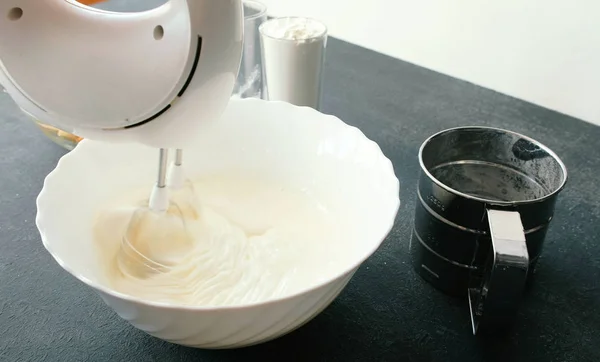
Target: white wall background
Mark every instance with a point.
(543, 51)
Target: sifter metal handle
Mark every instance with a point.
(495, 298)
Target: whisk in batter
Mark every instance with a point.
(254, 240)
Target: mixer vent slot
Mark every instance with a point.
(149, 119)
(194, 66)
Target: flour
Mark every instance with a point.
(293, 52)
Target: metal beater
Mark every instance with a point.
(157, 236)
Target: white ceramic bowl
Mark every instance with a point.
(295, 144)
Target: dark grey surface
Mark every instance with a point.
(386, 313)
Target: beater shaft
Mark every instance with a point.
(163, 158)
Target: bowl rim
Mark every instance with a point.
(99, 287)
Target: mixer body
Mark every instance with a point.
(122, 77)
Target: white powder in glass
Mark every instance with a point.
(298, 29)
(293, 52)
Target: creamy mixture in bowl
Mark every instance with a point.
(253, 240)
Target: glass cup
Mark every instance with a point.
(293, 51)
(63, 138)
(250, 79)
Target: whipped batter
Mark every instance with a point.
(252, 240)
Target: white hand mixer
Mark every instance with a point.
(126, 77)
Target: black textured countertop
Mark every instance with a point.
(386, 313)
